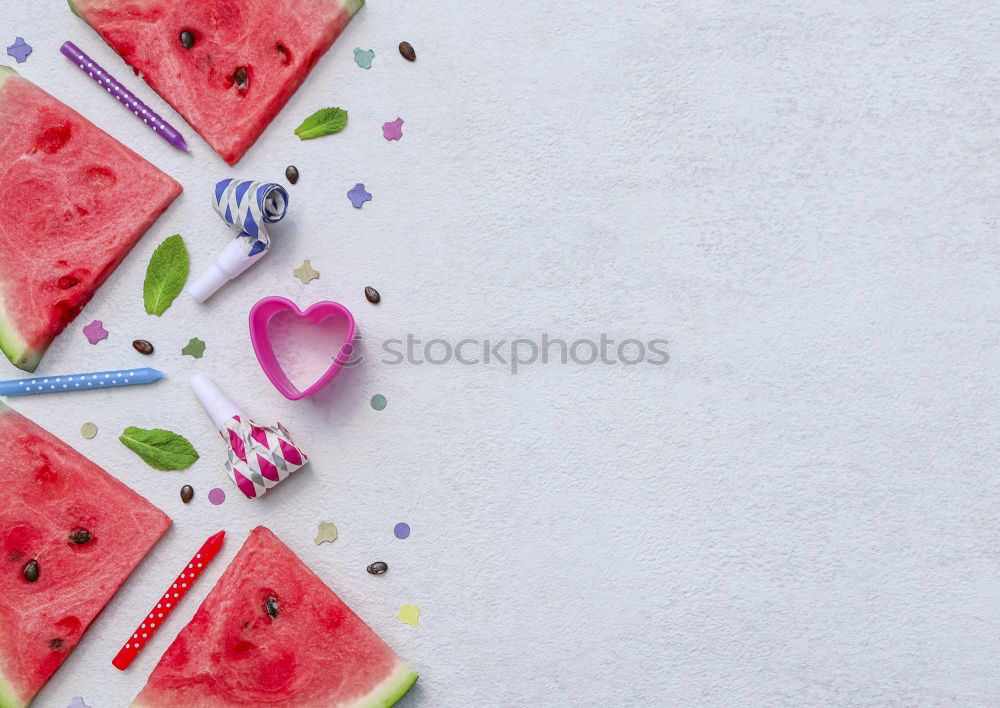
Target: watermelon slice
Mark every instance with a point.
(49, 492)
(270, 633)
(76, 201)
(246, 59)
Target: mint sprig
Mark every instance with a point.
(161, 449)
(165, 275)
(325, 121)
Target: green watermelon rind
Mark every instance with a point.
(391, 690)
(8, 699)
(15, 348)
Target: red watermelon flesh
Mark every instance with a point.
(274, 43)
(50, 491)
(270, 633)
(76, 200)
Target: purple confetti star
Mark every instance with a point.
(393, 130)
(358, 195)
(19, 50)
(95, 332)
(77, 703)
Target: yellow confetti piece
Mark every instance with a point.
(409, 614)
(327, 533)
(88, 430)
(305, 272)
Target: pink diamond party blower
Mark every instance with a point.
(259, 456)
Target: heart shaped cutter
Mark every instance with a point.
(260, 318)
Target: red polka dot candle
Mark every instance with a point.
(166, 604)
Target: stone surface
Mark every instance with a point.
(798, 509)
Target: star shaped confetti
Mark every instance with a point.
(327, 533)
(77, 703)
(393, 130)
(195, 348)
(305, 272)
(363, 57)
(95, 332)
(409, 614)
(358, 195)
(19, 50)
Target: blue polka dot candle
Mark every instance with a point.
(79, 382)
(125, 97)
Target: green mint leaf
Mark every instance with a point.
(165, 275)
(161, 449)
(325, 121)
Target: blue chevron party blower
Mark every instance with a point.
(248, 207)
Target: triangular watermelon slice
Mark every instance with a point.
(238, 63)
(270, 633)
(75, 200)
(50, 492)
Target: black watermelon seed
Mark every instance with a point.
(292, 174)
(241, 78)
(406, 49)
(31, 571)
(187, 39)
(187, 493)
(80, 537)
(372, 295)
(271, 607)
(378, 567)
(142, 346)
(56, 643)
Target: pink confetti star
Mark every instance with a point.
(95, 332)
(393, 130)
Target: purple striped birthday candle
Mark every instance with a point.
(125, 97)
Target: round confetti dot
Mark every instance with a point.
(88, 430)
(401, 530)
(217, 496)
(379, 402)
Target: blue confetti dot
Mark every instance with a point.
(401, 530)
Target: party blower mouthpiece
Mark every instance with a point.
(247, 207)
(258, 456)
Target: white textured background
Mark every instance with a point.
(799, 509)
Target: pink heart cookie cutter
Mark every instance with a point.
(260, 337)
